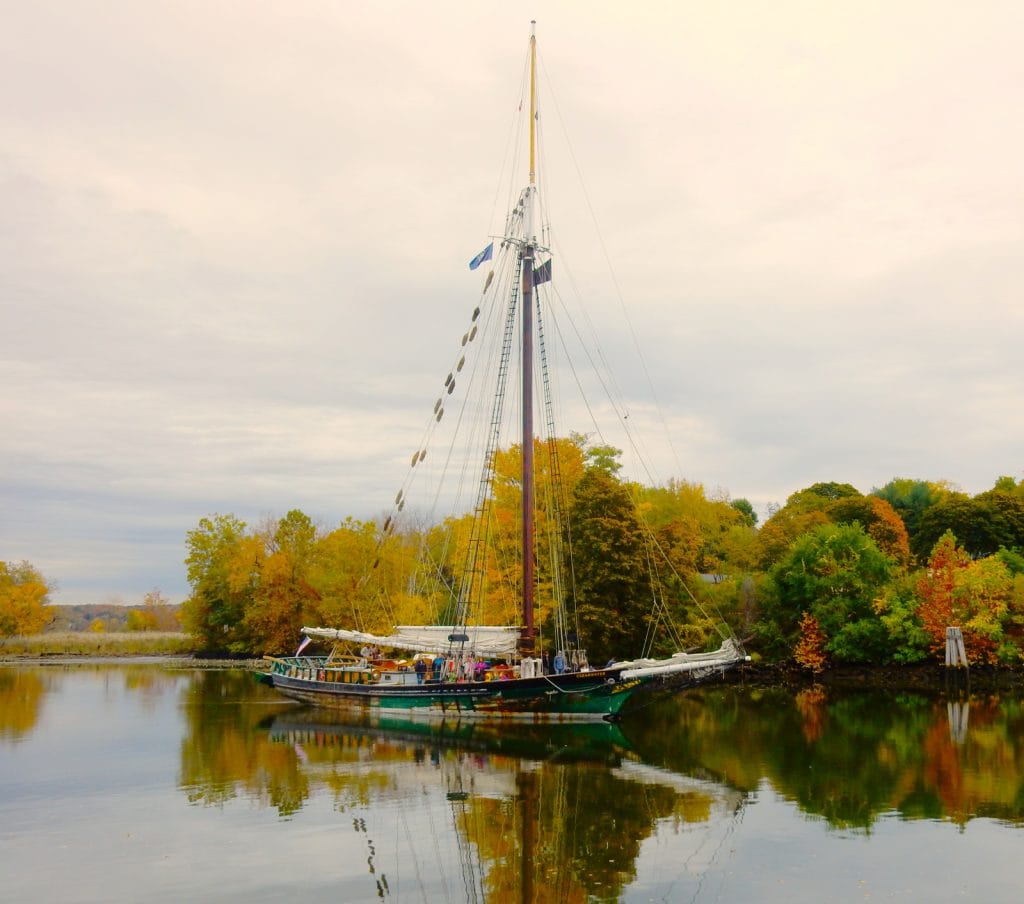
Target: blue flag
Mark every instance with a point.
(484, 255)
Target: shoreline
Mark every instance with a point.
(171, 660)
(919, 676)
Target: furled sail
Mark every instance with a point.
(483, 640)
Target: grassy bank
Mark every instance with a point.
(84, 643)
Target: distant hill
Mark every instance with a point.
(114, 618)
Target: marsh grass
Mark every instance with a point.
(102, 643)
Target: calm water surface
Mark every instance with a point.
(134, 782)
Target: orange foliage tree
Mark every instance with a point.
(879, 519)
(810, 647)
(956, 590)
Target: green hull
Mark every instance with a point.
(593, 741)
(551, 698)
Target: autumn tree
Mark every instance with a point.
(280, 598)
(956, 590)
(163, 614)
(363, 579)
(702, 531)
(24, 594)
(558, 468)
(910, 499)
(879, 519)
(810, 646)
(140, 620)
(781, 530)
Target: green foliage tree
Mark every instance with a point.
(744, 507)
(977, 524)
(818, 496)
(24, 594)
(898, 609)
(1008, 512)
(1009, 485)
(834, 572)
(223, 567)
(613, 595)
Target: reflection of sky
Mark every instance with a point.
(88, 737)
(91, 810)
(772, 852)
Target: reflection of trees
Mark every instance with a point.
(540, 814)
(849, 757)
(21, 699)
(569, 833)
(149, 682)
(225, 753)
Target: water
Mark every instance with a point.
(132, 782)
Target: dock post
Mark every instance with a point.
(956, 656)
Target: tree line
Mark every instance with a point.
(832, 576)
(25, 609)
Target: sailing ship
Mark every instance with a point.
(460, 667)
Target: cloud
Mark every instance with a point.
(234, 249)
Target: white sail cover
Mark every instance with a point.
(483, 640)
(726, 655)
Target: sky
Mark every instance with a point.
(234, 236)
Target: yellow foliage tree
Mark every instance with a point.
(559, 466)
(23, 597)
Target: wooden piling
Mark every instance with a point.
(957, 667)
(956, 653)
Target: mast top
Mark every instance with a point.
(533, 98)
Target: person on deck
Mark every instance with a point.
(437, 664)
(421, 669)
(559, 662)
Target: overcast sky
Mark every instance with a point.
(233, 246)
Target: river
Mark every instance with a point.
(128, 782)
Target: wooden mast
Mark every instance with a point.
(529, 247)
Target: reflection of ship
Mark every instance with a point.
(593, 741)
(538, 560)
(515, 812)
